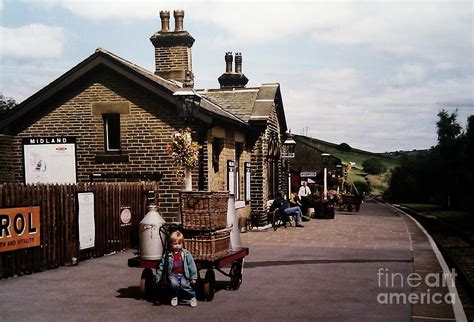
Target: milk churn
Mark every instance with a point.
(151, 239)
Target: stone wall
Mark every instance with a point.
(173, 58)
(6, 160)
(145, 132)
(260, 170)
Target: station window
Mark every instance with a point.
(239, 148)
(112, 132)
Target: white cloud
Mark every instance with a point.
(35, 41)
(440, 32)
(107, 9)
(110, 9)
(343, 106)
(437, 32)
(409, 75)
(20, 80)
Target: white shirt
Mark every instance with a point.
(304, 191)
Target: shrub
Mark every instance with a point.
(344, 147)
(373, 166)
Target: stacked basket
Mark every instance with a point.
(204, 218)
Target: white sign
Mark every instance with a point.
(49, 160)
(247, 180)
(287, 155)
(306, 174)
(230, 176)
(125, 216)
(85, 201)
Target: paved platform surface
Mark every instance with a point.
(330, 270)
(383, 246)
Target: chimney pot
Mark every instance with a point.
(165, 20)
(228, 62)
(238, 63)
(178, 20)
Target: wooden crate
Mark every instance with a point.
(204, 210)
(207, 245)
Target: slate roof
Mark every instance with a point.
(145, 78)
(238, 102)
(249, 104)
(169, 84)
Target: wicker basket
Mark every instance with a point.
(204, 210)
(207, 245)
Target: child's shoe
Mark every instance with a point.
(193, 302)
(174, 301)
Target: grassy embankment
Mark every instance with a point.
(461, 220)
(378, 183)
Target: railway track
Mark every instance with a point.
(458, 250)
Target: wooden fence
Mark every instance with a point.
(59, 225)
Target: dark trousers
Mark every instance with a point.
(304, 206)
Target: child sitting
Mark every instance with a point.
(181, 270)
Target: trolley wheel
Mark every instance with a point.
(236, 275)
(209, 285)
(146, 283)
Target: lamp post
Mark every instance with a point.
(188, 99)
(325, 159)
(289, 147)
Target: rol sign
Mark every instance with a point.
(19, 228)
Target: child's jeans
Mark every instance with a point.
(180, 282)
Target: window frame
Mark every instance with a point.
(239, 149)
(107, 135)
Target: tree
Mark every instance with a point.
(344, 147)
(373, 166)
(448, 127)
(444, 175)
(6, 104)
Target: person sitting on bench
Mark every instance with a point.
(285, 208)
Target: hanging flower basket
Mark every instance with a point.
(183, 150)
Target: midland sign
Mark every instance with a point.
(19, 228)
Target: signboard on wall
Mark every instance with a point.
(19, 228)
(307, 174)
(85, 203)
(231, 176)
(247, 180)
(125, 216)
(49, 159)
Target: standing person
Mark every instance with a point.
(181, 270)
(284, 207)
(304, 193)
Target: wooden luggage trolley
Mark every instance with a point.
(234, 259)
(204, 222)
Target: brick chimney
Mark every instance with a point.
(173, 49)
(230, 79)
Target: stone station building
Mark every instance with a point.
(119, 119)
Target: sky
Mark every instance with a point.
(372, 74)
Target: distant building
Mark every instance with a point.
(308, 164)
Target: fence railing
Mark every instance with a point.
(59, 222)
